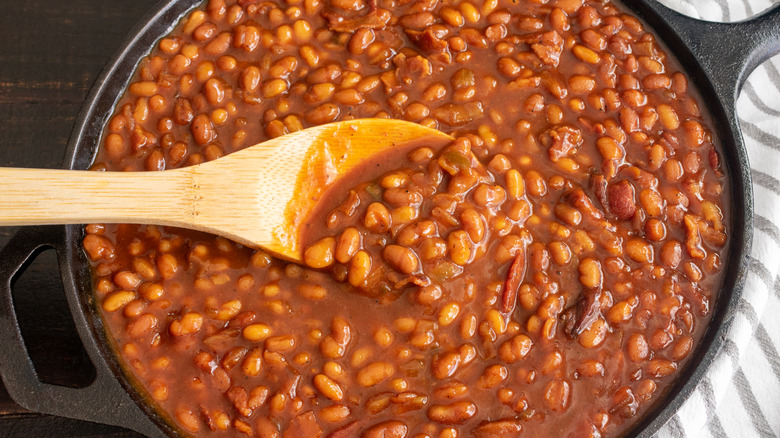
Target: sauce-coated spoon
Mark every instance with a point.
(257, 196)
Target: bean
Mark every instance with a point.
(417, 21)
(682, 348)
(142, 326)
(515, 184)
(452, 16)
(98, 247)
(590, 273)
(202, 129)
(134, 308)
(637, 347)
(378, 218)
(668, 116)
(656, 81)
(591, 368)
(639, 250)
(328, 387)
(585, 54)
(374, 373)
(250, 79)
(274, 88)
(118, 300)
(220, 44)
(448, 314)
(433, 249)
(347, 245)
(661, 367)
(145, 89)
(401, 258)
(535, 184)
(281, 344)
(594, 335)
(159, 390)
(320, 253)
(402, 196)
(635, 99)
(188, 419)
(593, 39)
(360, 41)
(671, 254)
(557, 395)
(568, 214)
(560, 253)
(168, 266)
(227, 63)
(473, 224)
(493, 376)
(319, 92)
(515, 349)
(214, 90)
(509, 68)
(284, 67)
(312, 291)
(257, 332)
(451, 390)
(446, 365)
(454, 413)
(359, 268)
(189, 323)
(334, 413)
(416, 112)
(127, 279)
(460, 247)
(581, 84)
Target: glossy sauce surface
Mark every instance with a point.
(546, 274)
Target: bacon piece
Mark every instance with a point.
(714, 160)
(304, 425)
(348, 431)
(428, 40)
(549, 48)
(578, 318)
(579, 200)
(514, 279)
(563, 141)
(599, 184)
(376, 18)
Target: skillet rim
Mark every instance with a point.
(84, 142)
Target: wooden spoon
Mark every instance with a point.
(258, 196)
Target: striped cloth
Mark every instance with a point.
(740, 394)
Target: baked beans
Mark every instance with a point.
(547, 273)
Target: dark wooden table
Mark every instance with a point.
(51, 51)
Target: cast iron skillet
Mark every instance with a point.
(718, 57)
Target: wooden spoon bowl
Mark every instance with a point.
(258, 196)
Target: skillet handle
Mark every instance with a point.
(727, 52)
(102, 401)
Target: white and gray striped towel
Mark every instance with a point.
(740, 394)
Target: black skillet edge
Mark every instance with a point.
(82, 147)
(105, 93)
(717, 57)
(110, 398)
(717, 93)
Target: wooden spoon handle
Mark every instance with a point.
(49, 196)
